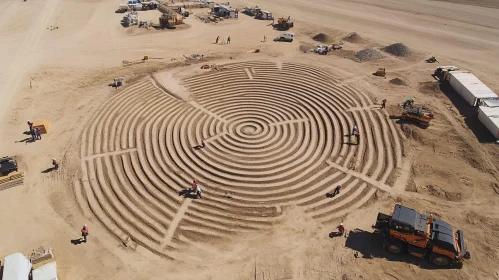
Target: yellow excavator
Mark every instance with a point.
(284, 23)
(10, 175)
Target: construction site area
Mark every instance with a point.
(249, 140)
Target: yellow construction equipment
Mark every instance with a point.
(381, 72)
(10, 175)
(418, 115)
(284, 23)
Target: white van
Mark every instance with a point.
(286, 37)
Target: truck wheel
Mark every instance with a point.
(439, 260)
(393, 246)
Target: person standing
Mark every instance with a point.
(216, 41)
(354, 129)
(341, 229)
(194, 186)
(264, 38)
(357, 135)
(198, 192)
(84, 233)
(55, 164)
(38, 134)
(383, 104)
(202, 144)
(30, 124)
(337, 190)
(228, 40)
(33, 135)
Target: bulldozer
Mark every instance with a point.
(284, 23)
(10, 175)
(381, 72)
(418, 115)
(422, 236)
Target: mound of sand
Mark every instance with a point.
(321, 37)
(368, 54)
(354, 38)
(398, 82)
(398, 49)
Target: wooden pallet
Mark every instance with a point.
(12, 180)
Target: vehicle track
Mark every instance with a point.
(275, 136)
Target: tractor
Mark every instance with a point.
(422, 236)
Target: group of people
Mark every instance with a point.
(34, 132)
(218, 38)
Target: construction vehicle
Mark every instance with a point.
(284, 23)
(406, 230)
(431, 60)
(285, 37)
(419, 115)
(441, 71)
(122, 9)
(165, 21)
(130, 19)
(381, 72)
(10, 175)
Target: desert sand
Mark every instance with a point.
(275, 123)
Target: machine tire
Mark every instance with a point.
(439, 260)
(393, 246)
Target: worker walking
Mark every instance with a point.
(337, 190)
(202, 144)
(383, 104)
(264, 38)
(55, 164)
(30, 124)
(194, 186)
(216, 41)
(228, 40)
(84, 233)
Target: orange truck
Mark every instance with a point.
(422, 236)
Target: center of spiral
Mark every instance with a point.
(248, 129)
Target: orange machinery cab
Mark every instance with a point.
(420, 235)
(43, 125)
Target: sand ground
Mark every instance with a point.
(449, 169)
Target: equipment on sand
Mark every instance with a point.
(285, 37)
(419, 115)
(441, 71)
(10, 175)
(284, 23)
(431, 60)
(381, 72)
(42, 125)
(405, 230)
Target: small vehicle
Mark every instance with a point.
(381, 72)
(285, 37)
(408, 231)
(431, 60)
(7, 165)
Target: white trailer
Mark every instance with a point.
(470, 87)
(490, 118)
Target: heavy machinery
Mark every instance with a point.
(381, 72)
(408, 231)
(166, 21)
(284, 23)
(441, 71)
(130, 19)
(431, 60)
(122, 9)
(419, 115)
(10, 175)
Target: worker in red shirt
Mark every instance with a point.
(30, 124)
(84, 233)
(341, 229)
(383, 104)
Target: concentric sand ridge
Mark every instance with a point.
(276, 135)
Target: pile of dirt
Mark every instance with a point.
(398, 82)
(321, 37)
(368, 54)
(354, 38)
(398, 49)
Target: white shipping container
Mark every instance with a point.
(490, 118)
(470, 87)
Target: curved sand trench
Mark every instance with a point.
(274, 137)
